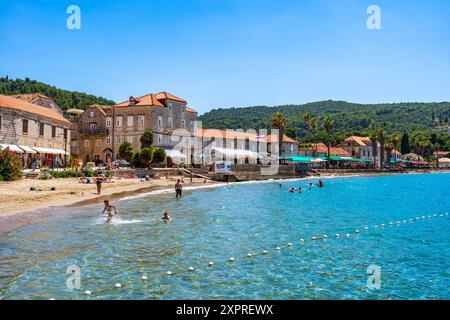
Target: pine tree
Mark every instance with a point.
(405, 147)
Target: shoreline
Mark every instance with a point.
(20, 217)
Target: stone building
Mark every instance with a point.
(40, 100)
(39, 134)
(101, 129)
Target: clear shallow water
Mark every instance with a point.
(218, 223)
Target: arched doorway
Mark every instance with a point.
(107, 155)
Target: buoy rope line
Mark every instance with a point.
(249, 256)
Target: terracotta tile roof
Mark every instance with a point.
(224, 134)
(319, 147)
(441, 153)
(24, 106)
(362, 141)
(153, 100)
(339, 152)
(191, 110)
(30, 97)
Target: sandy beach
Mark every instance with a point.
(16, 197)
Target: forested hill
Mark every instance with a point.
(64, 98)
(349, 117)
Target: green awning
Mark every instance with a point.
(298, 159)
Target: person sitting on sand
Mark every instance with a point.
(108, 208)
(166, 218)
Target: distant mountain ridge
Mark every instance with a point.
(64, 98)
(349, 117)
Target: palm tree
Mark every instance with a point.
(279, 122)
(391, 145)
(328, 127)
(312, 125)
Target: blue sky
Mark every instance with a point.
(232, 53)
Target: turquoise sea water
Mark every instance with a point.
(218, 223)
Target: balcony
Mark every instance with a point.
(99, 131)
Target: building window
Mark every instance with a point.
(169, 120)
(41, 129)
(93, 126)
(97, 158)
(99, 142)
(118, 139)
(87, 143)
(169, 105)
(183, 124)
(65, 134)
(130, 139)
(108, 140)
(118, 121)
(108, 122)
(141, 120)
(24, 126)
(130, 120)
(53, 131)
(159, 139)
(160, 122)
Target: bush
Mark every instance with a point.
(146, 139)
(10, 166)
(146, 156)
(159, 156)
(126, 151)
(68, 173)
(136, 160)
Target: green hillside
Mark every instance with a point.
(64, 98)
(349, 117)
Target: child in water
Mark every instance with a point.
(108, 208)
(166, 218)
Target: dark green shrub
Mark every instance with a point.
(10, 166)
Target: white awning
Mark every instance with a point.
(27, 149)
(11, 147)
(49, 150)
(237, 153)
(175, 154)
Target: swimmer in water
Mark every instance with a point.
(320, 184)
(108, 208)
(292, 190)
(166, 218)
(300, 190)
(310, 185)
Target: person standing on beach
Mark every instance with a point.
(178, 189)
(99, 182)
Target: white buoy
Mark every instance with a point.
(348, 235)
(376, 227)
(356, 231)
(429, 217)
(289, 244)
(398, 222)
(87, 292)
(423, 217)
(278, 248)
(302, 240)
(210, 264)
(446, 213)
(366, 228)
(337, 235)
(169, 273)
(382, 225)
(118, 285)
(313, 238)
(442, 215)
(144, 278)
(52, 299)
(434, 215)
(391, 223)
(190, 269)
(231, 259)
(264, 252)
(325, 236)
(249, 255)
(404, 221)
(417, 218)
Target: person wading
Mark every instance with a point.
(178, 189)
